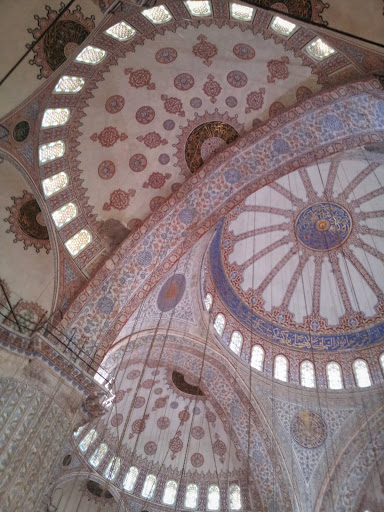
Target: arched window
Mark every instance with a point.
(334, 376)
(157, 15)
(55, 117)
(307, 374)
(88, 439)
(170, 491)
(208, 301)
(130, 479)
(55, 184)
(219, 323)
(113, 468)
(98, 455)
(234, 497)
(241, 12)
(69, 84)
(78, 242)
(236, 342)
(361, 372)
(382, 361)
(281, 368)
(121, 31)
(199, 8)
(91, 55)
(51, 151)
(78, 431)
(213, 501)
(319, 49)
(257, 357)
(191, 496)
(65, 214)
(283, 27)
(149, 487)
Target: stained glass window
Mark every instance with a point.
(191, 495)
(78, 431)
(170, 491)
(27, 320)
(69, 84)
(91, 55)
(319, 50)
(208, 301)
(234, 497)
(55, 117)
(257, 358)
(241, 12)
(88, 439)
(334, 376)
(121, 31)
(159, 14)
(307, 374)
(55, 183)
(64, 214)
(382, 361)
(113, 468)
(51, 151)
(149, 487)
(281, 368)
(213, 500)
(361, 372)
(199, 8)
(98, 455)
(78, 242)
(283, 27)
(130, 479)
(236, 342)
(219, 323)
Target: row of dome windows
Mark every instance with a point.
(307, 368)
(148, 489)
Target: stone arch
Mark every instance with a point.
(343, 118)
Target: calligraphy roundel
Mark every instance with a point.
(171, 293)
(308, 429)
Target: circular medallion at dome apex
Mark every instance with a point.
(297, 293)
(308, 429)
(323, 226)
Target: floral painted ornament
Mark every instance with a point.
(119, 199)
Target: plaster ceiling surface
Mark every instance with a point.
(158, 94)
(306, 253)
(27, 264)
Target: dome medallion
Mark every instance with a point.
(323, 226)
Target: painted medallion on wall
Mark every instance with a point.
(308, 429)
(171, 293)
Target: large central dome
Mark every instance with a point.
(300, 261)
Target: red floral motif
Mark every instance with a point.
(244, 51)
(114, 104)
(255, 100)
(197, 460)
(276, 108)
(140, 78)
(175, 444)
(173, 105)
(219, 448)
(160, 403)
(116, 420)
(278, 69)
(204, 50)
(156, 180)
(156, 202)
(212, 88)
(145, 115)
(184, 82)
(138, 162)
(106, 170)
(119, 396)
(184, 416)
(109, 136)
(211, 416)
(198, 432)
(133, 374)
(138, 426)
(134, 224)
(166, 55)
(163, 423)
(119, 199)
(152, 140)
(237, 79)
(149, 383)
(303, 93)
(175, 187)
(139, 402)
(150, 448)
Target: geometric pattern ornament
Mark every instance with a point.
(323, 226)
(308, 429)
